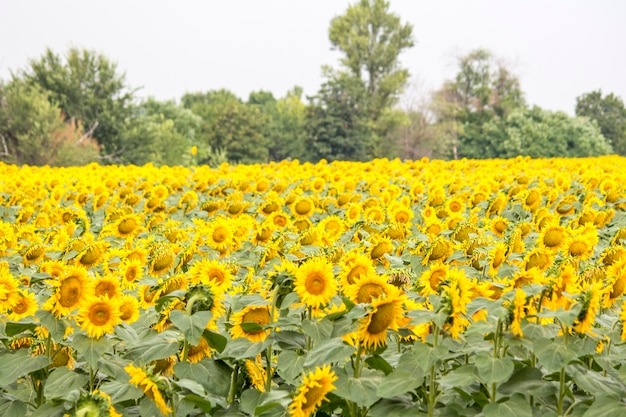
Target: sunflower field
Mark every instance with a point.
(385, 288)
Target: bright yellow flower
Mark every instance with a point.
(315, 282)
(312, 392)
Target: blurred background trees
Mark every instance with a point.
(77, 108)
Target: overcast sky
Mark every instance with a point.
(558, 48)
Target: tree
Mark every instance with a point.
(162, 133)
(33, 132)
(482, 91)
(336, 127)
(540, 133)
(86, 86)
(230, 126)
(610, 115)
(371, 39)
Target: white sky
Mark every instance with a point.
(559, 48)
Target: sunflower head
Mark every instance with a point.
(315, 386)
(315, 282)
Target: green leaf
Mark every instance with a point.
(288, 339)
(120, 391)
(553, 356)
(153, 346)
(214, 376)
(427, 355)
(493, 370)
(528, 380)
(397, 383)
(377, 362)
(329, 351)
(362, 391)
(12, 328)
(55, 326)
(397, 407)
(90, 348)
(49, 409)
(517, 406)
(191, 386)
(462, 376)
(20, 363)
(12, 408)
(290, 365)
(594, 383)
(318, 331)
(199, 402)
(62, 381)
(192, 326)
(242, 348)
(606, 407)
(215, 340)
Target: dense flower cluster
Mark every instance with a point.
(210, 262)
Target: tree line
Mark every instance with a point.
(77, 108)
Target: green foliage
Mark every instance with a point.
(229, 126)
(161, 133)
(542, 134)
(610, 115)
(371, 39)
(32, 130)
(336, 124)
(86, 86)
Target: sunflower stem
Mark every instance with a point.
(432, 385)
(357, 362)
(185, 350)
(233, 383)
(268, 370)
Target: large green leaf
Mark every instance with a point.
(290, 365)
(318, 331)
(215, 340)
(362, 390)
(20, 363)
(493, 370)
(606, 407)
(12, 408)
(214, 376)
(242, 348)
(463, 376)
(55, 326)
(397, 407)
(528, 380)
(120, 391)
(193, 325)
(397, 383)
(152, 346)
(329, 351)
(62, 381)
(427, 355)
(13, 328)
(594, 383)
(552, 356)
(90, 348)
(517, 406)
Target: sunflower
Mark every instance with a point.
(369, 287)
(531, 199)
(430, 281)
(552, 237)
(616, 276)
(9, 293)
(303, 206)
(106, 286)
(400, 213)
(141, 379)
(519, 312)
(380, 245)
(210, 272)
(256, 372)
(126, 226)
(220, 235)
(91, 254)
(315, 282)
(200, 351)
(590, 300)
(353, 213)
(99, 316)
(386, 311)
(581, 246)
(256, 317)
(458, 294)
(71, 290)
(496, 257)
(354, 266)
(538, 258)
(24, 305)
(438, 250)
(34, 254)
(498, 226)
(161, 260)
(331, 227)
(131, 271)
(129, 308)
(315, 386)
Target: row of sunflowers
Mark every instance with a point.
(384, 288)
